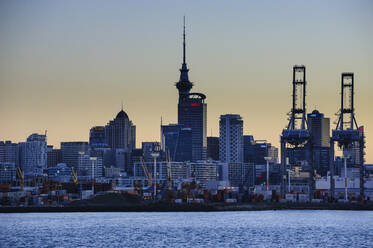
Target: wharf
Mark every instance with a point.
(209, 207)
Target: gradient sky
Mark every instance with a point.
(65, 66)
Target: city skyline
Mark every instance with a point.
(59, 87)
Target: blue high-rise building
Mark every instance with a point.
(192, 111)
(320, 137)
(33, 155)
(177, 141)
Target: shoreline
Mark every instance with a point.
(165, 207)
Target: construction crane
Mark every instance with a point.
(169, 172)
(74, 175)
(148, 174)
(21, 176)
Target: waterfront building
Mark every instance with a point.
(7, 173)
(33, 155)
(201, 172)
(192, 111)
(179, 171)
(238, 174)
(60, 173)
(177, 141)
(9, 152)
(231, 139)
(70, 152)
(213, 148)
(320, 140)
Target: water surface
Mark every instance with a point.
(303, 228)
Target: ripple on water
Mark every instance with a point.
(212, 229)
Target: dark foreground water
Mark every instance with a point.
(291, 228)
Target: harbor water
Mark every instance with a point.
(285, 228)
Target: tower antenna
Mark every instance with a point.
(184, 55)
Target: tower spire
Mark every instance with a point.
(184, 85)
(184, 55)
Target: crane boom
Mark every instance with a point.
(169, 172)
(147, 173)
(21, 177)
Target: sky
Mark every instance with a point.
(66, 66)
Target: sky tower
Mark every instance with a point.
(192, 110)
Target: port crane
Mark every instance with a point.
(297, 136)
(348, 135)
(21, 177)
(169, 169)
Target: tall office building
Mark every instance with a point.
(192, 111)
(89, 167)
(177, 141)
(255, 151)
(70, 152)
(320, 129)
(9, 152)
(33, 155)
(97, 137)
(248, 148)
(54, 156)
(120, 133)
(320, 137)
(213, 148)
(231, 138)
(7, 173)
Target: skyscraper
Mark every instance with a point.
(231, 138)
(255, 151)
(213, 148)
(192, 110)
(97, 137)
(121, 133)
(320, 137)
(54, 156)
(9, 152)
(177, 140)
(70, 152)
(33, 154)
